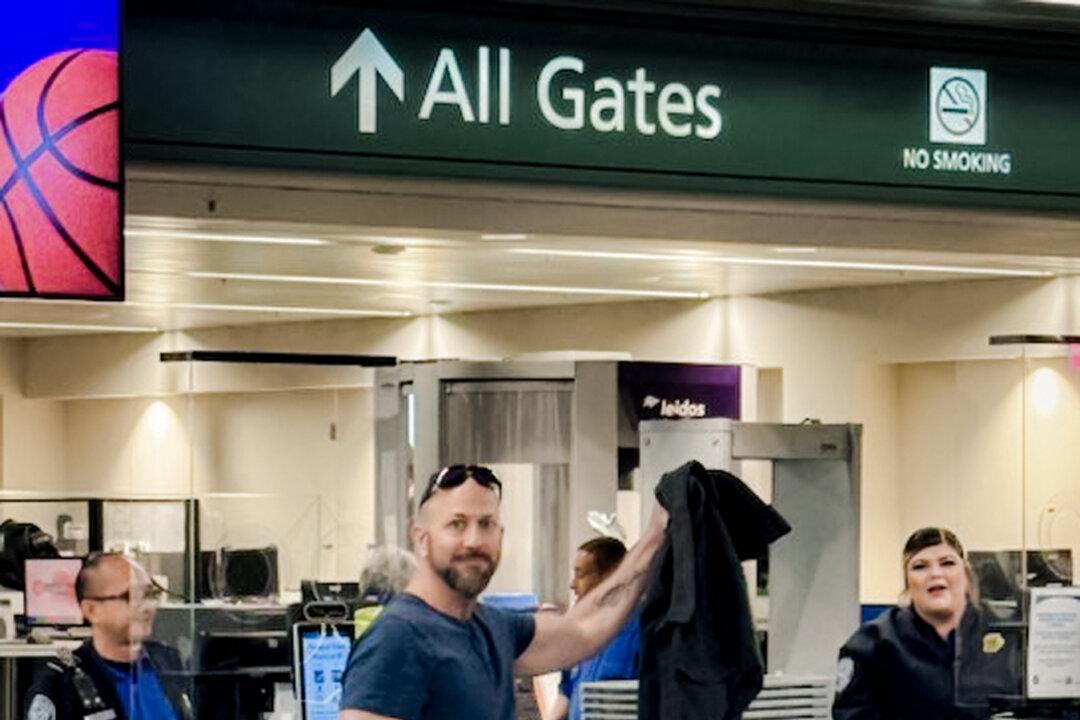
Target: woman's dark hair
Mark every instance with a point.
(929, 537)
(606, 553)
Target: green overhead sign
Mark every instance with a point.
(484, 93)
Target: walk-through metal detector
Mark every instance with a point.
(813, 582)
(561, 421)
(429, 414)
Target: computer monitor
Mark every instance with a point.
(50, 592)
(251, 572)
(1000, 579)
(320, 653)
(238, 573)
(317, 591)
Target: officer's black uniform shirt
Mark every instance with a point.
(53, 694)
(897, 667)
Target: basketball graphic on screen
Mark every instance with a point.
(60, 177)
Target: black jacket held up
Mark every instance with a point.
(699, 654)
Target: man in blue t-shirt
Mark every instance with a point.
(595, 560)
(117, 673)
(436, 654)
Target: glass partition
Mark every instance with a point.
(217, 509)
(280, 477)
(1024, 555)
(252, 489)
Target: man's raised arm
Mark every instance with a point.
(564, 640)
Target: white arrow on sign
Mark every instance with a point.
(369, 59)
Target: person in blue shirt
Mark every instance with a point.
(118, 673)
(436, 653)
(595, 560)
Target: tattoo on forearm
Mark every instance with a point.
(620, 592)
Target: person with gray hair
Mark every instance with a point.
(385, 574)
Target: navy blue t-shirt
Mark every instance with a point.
(416, 663)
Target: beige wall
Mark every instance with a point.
(266, 467)
(972, 459)
(911, 363)
(31, 432)
(959, 445)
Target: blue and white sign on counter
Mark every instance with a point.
(1053, 661)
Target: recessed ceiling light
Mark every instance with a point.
(165, 234)
(779, 262)
(402, 240)
(500, 287)
(504, 237)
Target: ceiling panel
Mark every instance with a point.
(200, 273)
(216, 247)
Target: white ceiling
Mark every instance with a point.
(186, 271)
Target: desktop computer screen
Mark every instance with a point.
(312, 591)
(50, 591)
(320, 652)
(238, 573)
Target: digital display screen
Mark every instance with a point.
(50, 591)
(61, 208)
(324, 654)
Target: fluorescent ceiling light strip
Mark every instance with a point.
(77, 326)
(166, 234)
(795, 250)
(788, 262)
(622, 292)
(273, 309)
(550, 289)
(306, 279)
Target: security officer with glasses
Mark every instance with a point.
(117, 674)
(435, 653)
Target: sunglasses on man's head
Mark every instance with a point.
(453, 475)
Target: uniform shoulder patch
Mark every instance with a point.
(41, 708)
(845, 670)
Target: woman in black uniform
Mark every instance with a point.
(904, 664)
